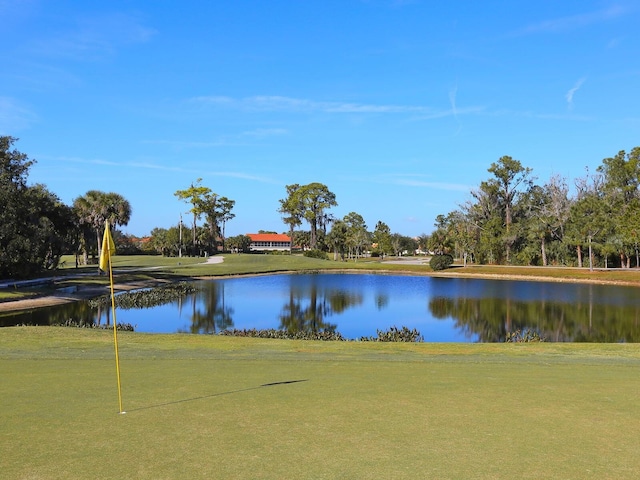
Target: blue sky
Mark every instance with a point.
(399, 107)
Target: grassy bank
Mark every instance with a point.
(237, 408)
(136, 269)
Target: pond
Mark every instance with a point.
(357, 305)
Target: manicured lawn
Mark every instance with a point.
(135, 268)
(238, 408)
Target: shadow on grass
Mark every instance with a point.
(175, 402)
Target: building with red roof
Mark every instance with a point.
(269, 242)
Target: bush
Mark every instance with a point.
(315, 254)
(395, 334)
(125, 327)
(325, 335)
(146, 298)
(520, 336)
(441, 262)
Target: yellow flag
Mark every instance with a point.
(108, 248)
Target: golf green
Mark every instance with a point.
(239, 408)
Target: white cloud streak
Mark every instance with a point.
(14, 117)
(415, 180)
(94, 37)
(573, 22)
(275, 103)
(452, 100)
(265, 132)
(159, 167)
(569, 95)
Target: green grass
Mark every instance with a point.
(147, 267)
(202, 407)
(243, 264)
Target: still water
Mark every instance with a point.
(357, 305)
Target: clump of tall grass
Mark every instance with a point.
(147, 298)
(522, 336)
(394, 334)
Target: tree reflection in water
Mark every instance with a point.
(309, 305)
(215, 316)
(442, 309)
(492, 318)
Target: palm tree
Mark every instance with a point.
(94, 208)
(196, 195)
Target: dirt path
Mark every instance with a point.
(72, 294)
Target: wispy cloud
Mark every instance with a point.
(417, 180)
(16, 8)
(569, 95)
(452, 112)
(265, 132)
(614, 42)
(94, 37)
(537, 115)
(275, 103)
(454, 109)
(572, 22)
(149, 165)
(301, 105)
(247, 137)
(185, 144)
(14, 117)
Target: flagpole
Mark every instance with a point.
(115, 334)
(108, 241)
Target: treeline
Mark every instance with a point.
(346, 237)
(511, 219)
(37, 228)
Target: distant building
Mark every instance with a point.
(269, 242)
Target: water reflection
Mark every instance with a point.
(210, 314)
(441, 309)
(310, 304)
(591, 317)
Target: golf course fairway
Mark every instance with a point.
(204, 406)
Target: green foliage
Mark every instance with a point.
(122, 327)
(315, 253)
(239, 243)
(441, 262)
(35, 226)
(325, 335)
(92, 210)
(308, 202)
(395, 334)
(382, 238)
(146, 298)
(514, 221)
(523, 336)
(215, 209)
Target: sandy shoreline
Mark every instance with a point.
(64, 295)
